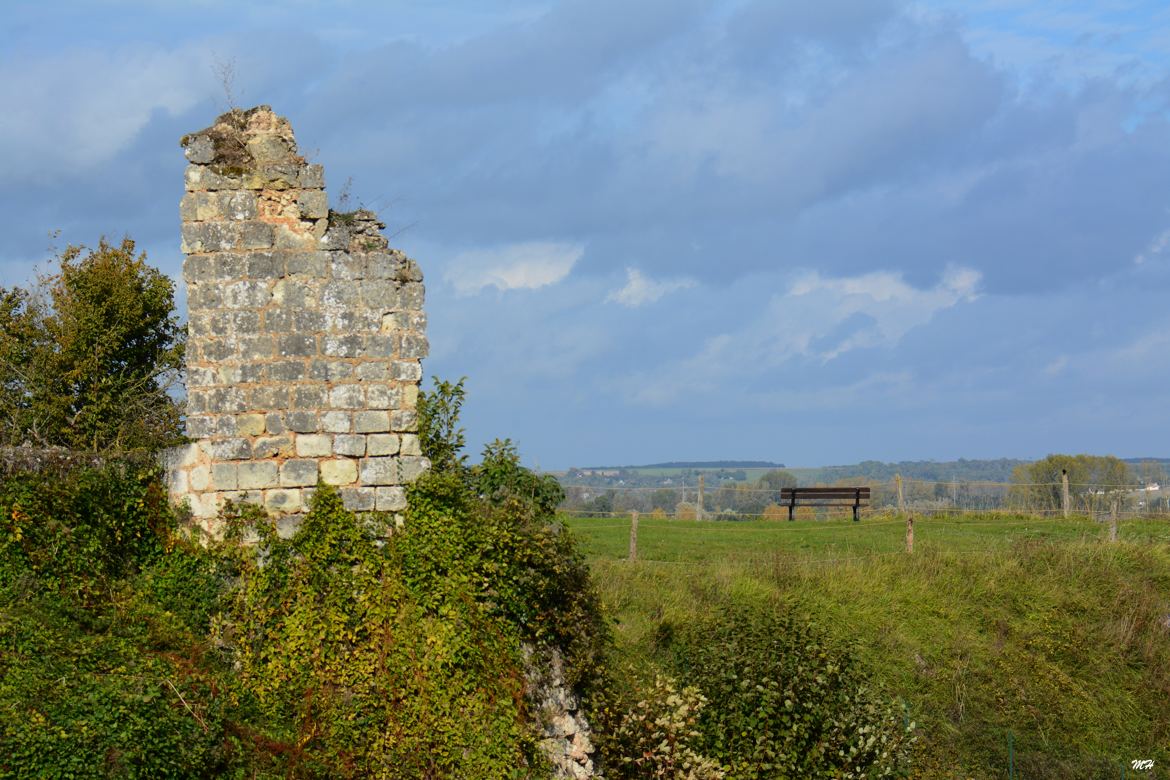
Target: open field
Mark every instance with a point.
(1027, 641)
(768, 541)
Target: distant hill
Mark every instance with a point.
(695, 464)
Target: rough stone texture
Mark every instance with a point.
(567, 737)
(306, 332)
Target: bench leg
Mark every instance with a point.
(856, 517)
(791, 510)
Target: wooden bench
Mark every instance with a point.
(855, 497)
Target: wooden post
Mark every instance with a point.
(1113, 521)
(633, 536)
(901, 498)
(1064, 499)
(699, 505)
(909, 534)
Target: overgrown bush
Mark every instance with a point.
(786, 704)
(652, 731)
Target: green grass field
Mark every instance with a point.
(1008, 638)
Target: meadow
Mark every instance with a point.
(1018, 646)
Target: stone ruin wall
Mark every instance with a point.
(305, 333)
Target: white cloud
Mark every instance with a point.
(817, 318)
(523, 266)
(641, 289)
(79, 108)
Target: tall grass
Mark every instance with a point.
(1035, 628)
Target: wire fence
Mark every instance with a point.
(746, 501)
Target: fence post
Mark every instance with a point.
(699, 505)
(1064, 499)
(633, 536)
(909, 534)
(901, 498)
(1113, 520)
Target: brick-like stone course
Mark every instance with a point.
(306, 332)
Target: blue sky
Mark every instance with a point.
(679, 229)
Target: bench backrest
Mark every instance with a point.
(857, 494)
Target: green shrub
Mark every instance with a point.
(85, 528)
(653, 732)
(786, 704)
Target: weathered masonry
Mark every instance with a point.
(305, 333)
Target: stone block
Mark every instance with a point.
(404, 421)
(411, 468)
(228, 449)
(204, 506)
(177, 482)
(406, 370)
(346, 397)
(389, 499)
(380, 294)
(250, 424)
(295, 292)
(224, 476)
(204, 296)
(410, 445)
(257, 475)
(340, 294)
(216, 350)
(311, 264)
(384, 265)
(371, 422)
(314, 445)
(272, 447)
(313, 204)
(247, 293)
(302, 422)
(379, 396)
(282, 500)
(337, 422)
(274, 423)
(288, 525)
(411, 296)
(264, 265)
(341, 471)
(408, 396)
(286, 320)
(380, 444)
(358, 499)
(351, 320)
(330, 370)
(349, 346)
(349, 444)
(349, 267)
(296, 345)
(199, 149)
(309, 397)
(413, 346)
(298, 237)
(298, 473)
(312, 176)
(379, 471)
(256, 347)
(286, 371)
(268, 397)
(381, 345)
(225, 425)
(373, 370)
(403, 321)
(200, 426)
(226, 400)
(199, 477)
